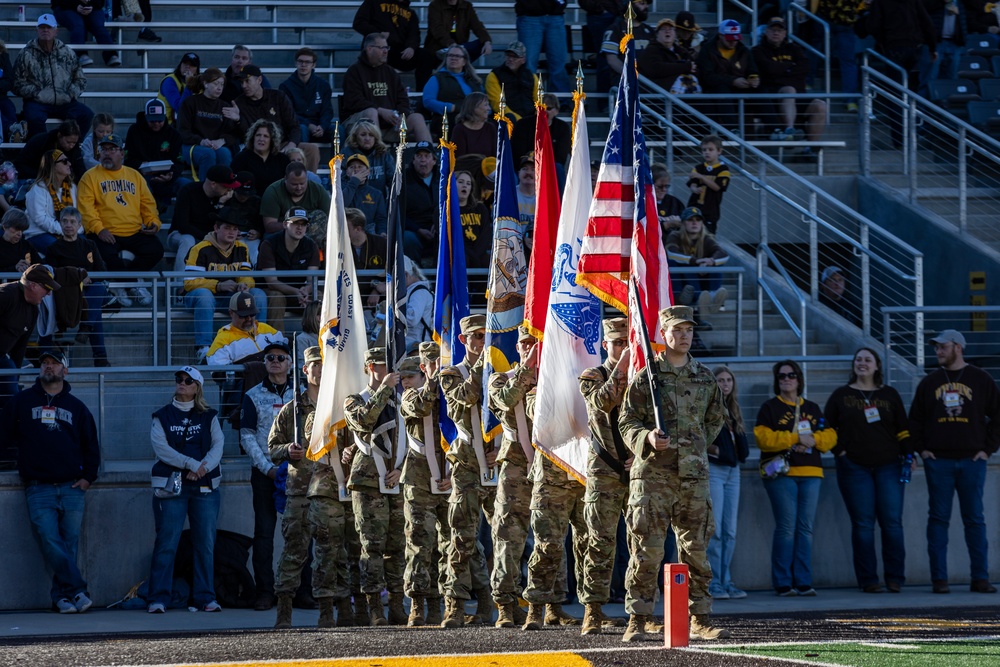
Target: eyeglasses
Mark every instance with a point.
(275, 357)
(184, 380)
(788, 376)
(456, 55)
(62, 160)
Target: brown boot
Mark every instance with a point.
(520, 616)
(652, 627)
(416, 618)
(454, 613)
(397, 614)
(702, 628)
(484, 606)
(536, 617)
(636, 628)
(345, 613)
(554, 615)
(613, 622)
(326, 613)
(592, 619)
(284, 613)
(434, 611)
(361, 618)
(505, 617)
(376, 612)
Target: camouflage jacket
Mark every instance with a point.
(324, 478)
(49, 78)
(362, 417)
(505, 392)
(692, 407)
(543, 469)
(281, 437)
(415, 405)
(603, 392)
(464, 396)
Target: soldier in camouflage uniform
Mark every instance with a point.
(426, 512)
(463, 389)
(608, 463)
(512, 513)
(283, 445)
(669, 477)
(379, 516)
(360, 611)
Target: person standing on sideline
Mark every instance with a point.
(955, 424)
(58, 457)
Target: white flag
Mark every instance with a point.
(572, 341)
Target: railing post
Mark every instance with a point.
(668, 114)
(156, 327)
(761, 261)
(918, 299)
(865, 126)
(910, 137)
(866, 282)
(963, 182)
(813, 249)
(169, 334)
(739, 314)
(101, 431)
(886, 348)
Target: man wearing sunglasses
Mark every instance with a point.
(18, 315)
(244, 338)
(261, 405)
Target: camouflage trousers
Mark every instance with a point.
(511, 518)
(653, 507)
(426, 516)
(326, 517)
(379, 524)
(603, 503)
(467, 570)
(556, 504)
(353, 549)
(297, 531)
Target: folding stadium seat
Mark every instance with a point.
(981, 45)
(985, 116)
(974, 67)
(989, 89)
(955, 93)
(995, 65)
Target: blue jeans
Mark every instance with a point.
(202, 509)
(41, 242)
(842, 43)
(202, 158)
(96, 295)
(793, 503)
(533, 32)
(724, 488)
(872, 494)
(204, 302)
(79, 25)
(699, 281)
(931, 69)
(944, 478)
(56, 514)
(36, 113)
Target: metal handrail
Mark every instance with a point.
(918, 332)
(800, 331)
(796, 8)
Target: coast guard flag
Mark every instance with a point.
(342, 332)
(508, 276)
(573, 326)
(623, 234)
(451, 289)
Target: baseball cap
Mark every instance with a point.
(526, 159)
(311, 354)
(249, 70)
(39, 273)
(517, 48)
(47, 19)
(950, 336)
(55, 355)
(222, 175)
(155, 111)
(246, 181)
(242, 304)
(690, 212)
(424, 146)
(676, 315)
(114, 140)
(829, 271)
(777, 21)
(296, 214)
(731, 30)
(357, 157)
(193, 372)
(191, 58)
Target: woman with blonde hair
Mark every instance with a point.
(692, 245)
(262, 156)
(208, 125)
(51, 192)
(366, 139)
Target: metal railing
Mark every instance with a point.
(797, 13)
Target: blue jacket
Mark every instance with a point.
(311, 100)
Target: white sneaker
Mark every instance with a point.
(719, 299)
(65, 606)
(141, 295)
(82, 602)
(114, 61)
(86, 61)
(121, 294)
(156, 608)
(212, 606)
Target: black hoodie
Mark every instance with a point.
(144, 145)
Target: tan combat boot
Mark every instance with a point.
(520, 616)
(397, 615)
(613, 622)
(454, 613)
(484, 606)
(434, 611)
(591, 619)
(536, 617)
(652, 627)
(636, 628)
(376, 612)
(345, 613)
(326, 613)
(416, 618)
(554, 615)
(361, 617)
(505, 617)
(702, 628)
(284, 613)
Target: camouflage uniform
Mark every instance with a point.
(671, 487)
(327, 518)
(295, 527)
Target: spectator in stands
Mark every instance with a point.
(261, 404)
(289, 250)
(526, 197)
(688, 32)
(119, 214)
(369, 250)
(145, 14)
(643, 35)
(708, 181)
(49, 79)
(833, 294)
(311, 97)
(664, 59)
(474, 131)
(244, 337)
(601, 14)
(980, 19)
(19, 312)
(247, 202)
(542, 24)
(81, 17)
(691, 246)
(725, 65)
(949, 19)
(173, 87)
(52, 191)
(208, 125)
(523, 140)
(455, 80)
(455, 22)
(258, 103)
(16, 254)
(841, 15)
(293, 191)
(296, 155)
(374, 92)
(195, 211)
(242, 57)
(188, 442)
(791, 435)
(309, 336)
(8, 114)
(58, 459)
(399, 25)
(365, 139)
(76, 251)
(783, 67)
(519, 84)
(420, 222)
(66, 138)
(102, 125)
(419, 306)
(668, 207)
(219, 251)
(358, 194)
(262, 155)
(150, 139)
(477, 223)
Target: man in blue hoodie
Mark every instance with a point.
(58, 457)
(310, 96)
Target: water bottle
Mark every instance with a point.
(906, 469)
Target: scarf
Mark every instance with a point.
(63, 199)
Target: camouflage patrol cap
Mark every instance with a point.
(472, 323)
(676, 315)
(524, 333)
(615, 328)
(429, 351)
(409, 366)
(375, 355)
(312, 354)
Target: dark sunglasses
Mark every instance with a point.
(184, 380)
(62, 160)
(788, 376)
(275, 357)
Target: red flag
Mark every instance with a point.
(536, 297)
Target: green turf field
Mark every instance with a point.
(957, 653)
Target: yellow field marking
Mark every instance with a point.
(485, 660)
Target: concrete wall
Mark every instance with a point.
(117, 538)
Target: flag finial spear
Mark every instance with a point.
(579, 77)
(336, 138)
(502, 111)
(630, 17)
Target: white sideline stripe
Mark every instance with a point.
(790, 661)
